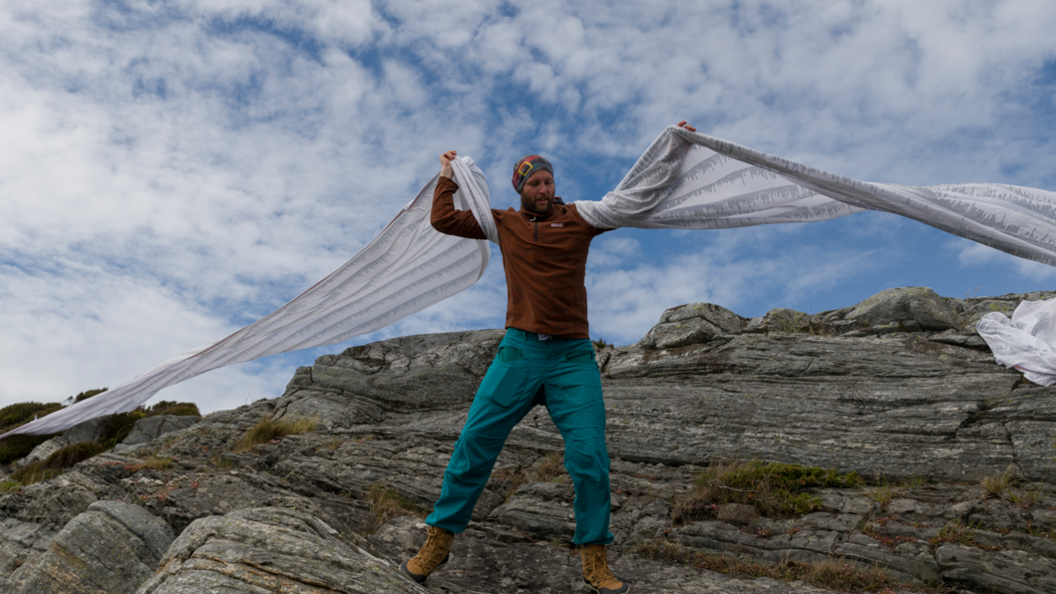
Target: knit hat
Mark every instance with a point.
(526, 167)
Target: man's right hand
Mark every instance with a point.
(445, 164)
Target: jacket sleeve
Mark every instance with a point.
(446, 219)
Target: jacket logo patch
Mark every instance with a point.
(557, 224)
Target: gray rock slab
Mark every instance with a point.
(97, 553)
(21, 546)
(272, 550)
(150, 428)
(919, 304)
(1007, 572)
(90, 430)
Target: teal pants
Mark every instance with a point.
(566, 370)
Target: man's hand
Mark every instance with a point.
(683, 124)
(445, 164)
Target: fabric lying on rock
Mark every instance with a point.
(685, 180)
(1026, 342)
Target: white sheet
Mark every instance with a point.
(1026, 342)
(684, 180)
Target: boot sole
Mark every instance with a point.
(626, 588)
(420, 579)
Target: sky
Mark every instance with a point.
(173, 171)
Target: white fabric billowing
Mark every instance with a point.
(685, 180)
(407, 268)
(1027, 342)
(688, 180)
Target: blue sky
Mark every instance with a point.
(172, 171)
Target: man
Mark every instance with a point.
(545, 356)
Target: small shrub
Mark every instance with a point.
(772, 488)
(601, 344)
(73, 453)
(16, 447)
(87, 394)
(179, 409)
(116, 427)
(387, 503)
(54, 464)
(267, 430)
(14, 415)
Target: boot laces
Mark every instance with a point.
(435, 548)
(597, 567)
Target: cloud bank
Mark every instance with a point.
(172, 171)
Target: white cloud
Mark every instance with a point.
(171, 171)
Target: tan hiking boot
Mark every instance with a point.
(596, 573)
(433, 554)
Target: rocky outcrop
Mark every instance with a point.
(272, 550)
(956, 453)
(110, 549)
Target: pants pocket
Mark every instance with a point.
(503, 383)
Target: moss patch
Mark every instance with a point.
(774, 489)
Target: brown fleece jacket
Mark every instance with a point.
(545, 258)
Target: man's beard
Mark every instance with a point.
(528, 204)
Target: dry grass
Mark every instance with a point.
(774, 489)
(267, 430)
(995, 486)
(550, 469)
(1025, 498)
(387, 503)
(834, 574)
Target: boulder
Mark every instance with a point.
(917, 304)
(90, 430)
(692, 324)
(110, 549)
(22, 544)
(150, 428)
(272, 550)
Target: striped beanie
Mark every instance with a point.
(526, 167)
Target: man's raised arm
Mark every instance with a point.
(444, 217)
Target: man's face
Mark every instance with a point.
(537, 196)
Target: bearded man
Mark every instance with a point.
(545, 358)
